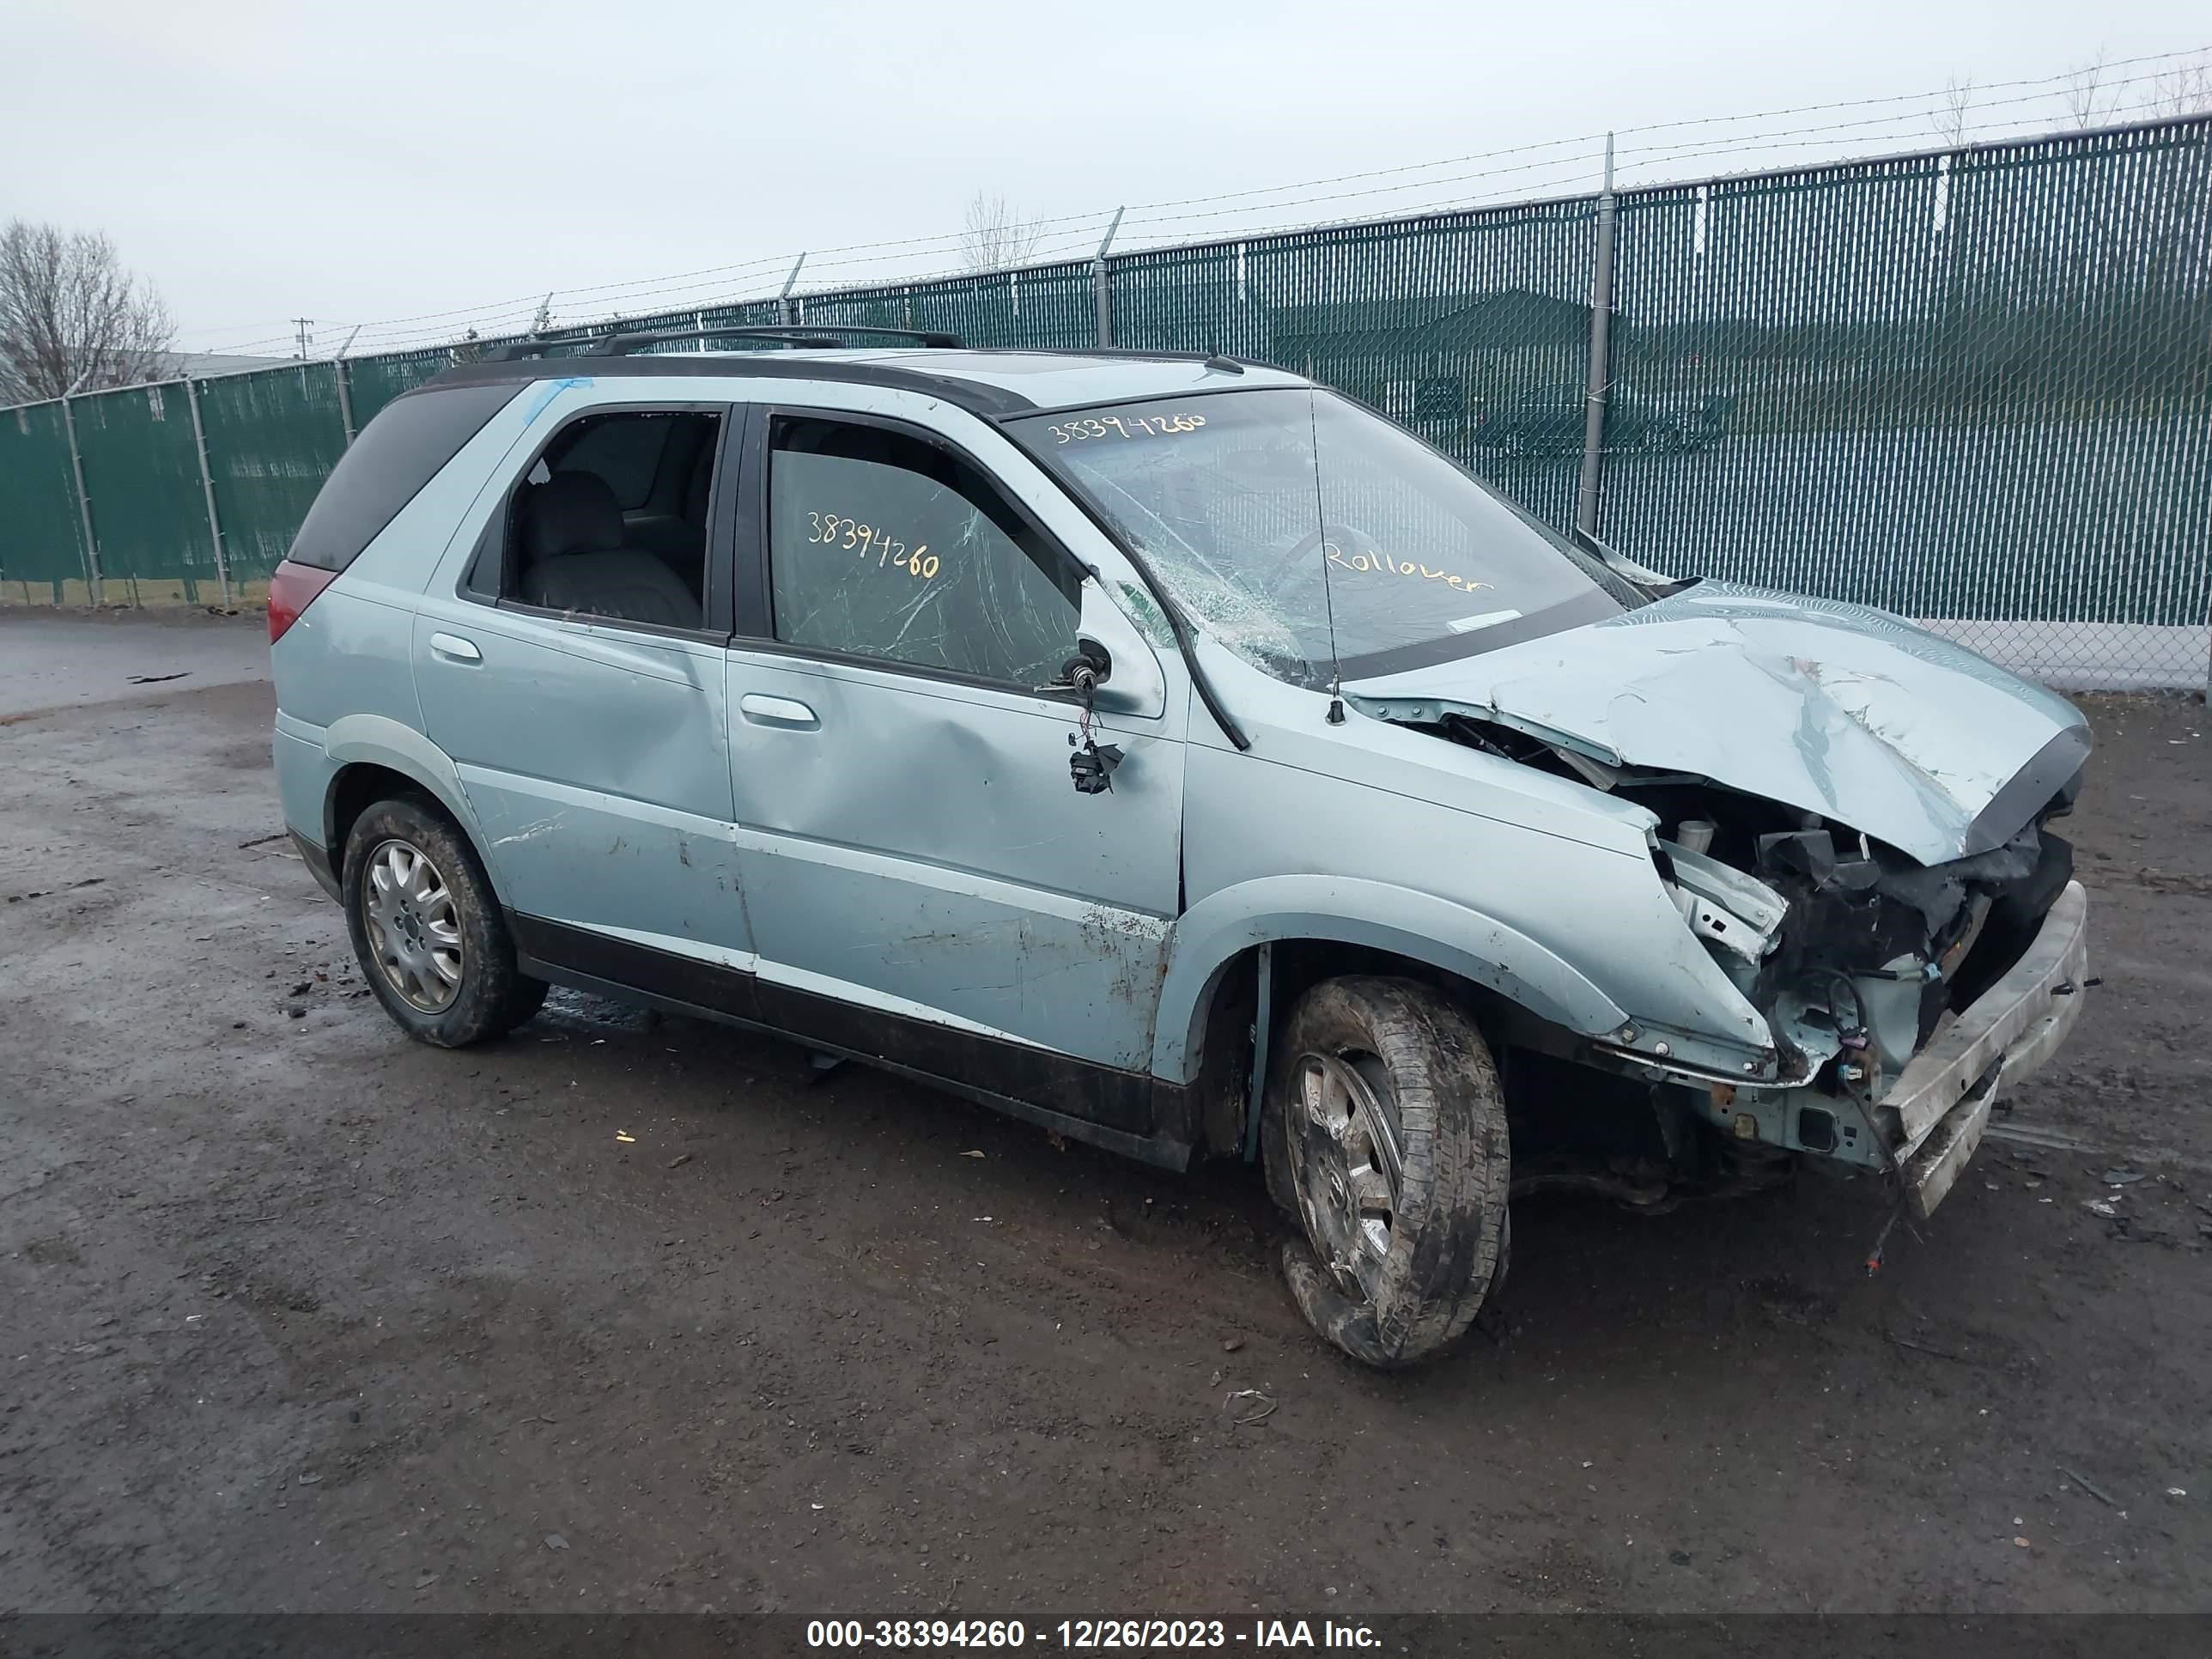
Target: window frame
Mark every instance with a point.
(755, 619)
(493, 548)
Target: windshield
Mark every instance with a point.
(1315, 538)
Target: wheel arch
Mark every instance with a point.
(1371, 926)
(376, 757)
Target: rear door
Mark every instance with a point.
(570, 662)
(925, 881)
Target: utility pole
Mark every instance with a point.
(306, 326)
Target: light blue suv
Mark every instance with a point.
(1177, 755)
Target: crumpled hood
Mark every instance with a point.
(1836, 709)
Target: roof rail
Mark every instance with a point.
(819, 337)
(515, 350)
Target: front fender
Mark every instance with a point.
(1411, 924)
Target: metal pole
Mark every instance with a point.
(345, 387)
(1101, 293)
(1600, 369)
(207, 488)
(83, 504)
(783, 299)
(345, 402)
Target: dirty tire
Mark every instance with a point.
(1428, 1072)
(493, 996)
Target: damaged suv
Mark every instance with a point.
(1179, 755)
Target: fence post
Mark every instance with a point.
(1601, 380)
(783, 299)
(1102, 292)
(345, 402)
(207, 488)
(345, 386)
(83, 505)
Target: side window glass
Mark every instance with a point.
(883, 546)
(611, 520)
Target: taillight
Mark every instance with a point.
(292, 589)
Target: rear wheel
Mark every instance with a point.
(1385, 1134)
(432, 943)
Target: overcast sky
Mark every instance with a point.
(260, 160)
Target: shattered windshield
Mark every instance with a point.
(1314, 538)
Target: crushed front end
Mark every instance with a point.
(1900, 996)
(1853, 817)
(1897, 995)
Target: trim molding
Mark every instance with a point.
(1126, 1112)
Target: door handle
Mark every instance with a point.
(787, 712)
(453, 648)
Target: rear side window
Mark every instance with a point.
(396, 454)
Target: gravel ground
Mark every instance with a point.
(303, 1316)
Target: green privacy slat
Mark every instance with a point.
(1043, 307)
(1975, 388)
(1455, 325)
(41, 543)
(142, 471)
(372, 382)
(272, 439)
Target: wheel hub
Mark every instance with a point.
(1345, 1163)
(414, 929)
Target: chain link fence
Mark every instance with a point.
(1973, 388)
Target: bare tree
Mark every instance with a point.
(71, 317)
(2090, 102)
(2185, 90)
(994, 236)
(1950, 120)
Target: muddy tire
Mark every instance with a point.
(1384, 1133)
(428, 930)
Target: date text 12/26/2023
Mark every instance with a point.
(1088, 1634)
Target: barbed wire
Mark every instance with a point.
(713, 287)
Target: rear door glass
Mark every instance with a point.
(405, 446)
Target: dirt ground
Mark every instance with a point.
(301, 1315)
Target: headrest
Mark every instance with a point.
(570, 512)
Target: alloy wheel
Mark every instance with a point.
(1347, 1162)
(414, 929)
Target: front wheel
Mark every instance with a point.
(1385, 1134)
(427, 929)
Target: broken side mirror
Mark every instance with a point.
(1129, 680)
(1115, 670)
(1083, 673)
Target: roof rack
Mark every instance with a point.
(821, 339)
(813, 337)
(513, 351)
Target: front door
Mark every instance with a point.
(924, 880)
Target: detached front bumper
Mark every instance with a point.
(1942, 1097)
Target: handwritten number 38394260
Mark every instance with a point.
(850, 535)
